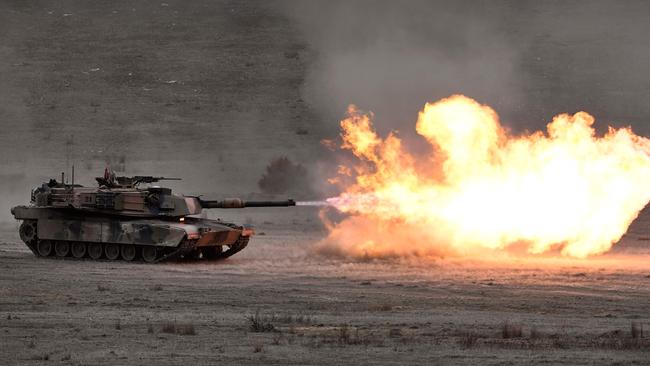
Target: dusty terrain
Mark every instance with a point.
(314, 310)
(211, 91)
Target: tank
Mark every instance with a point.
(129, 219)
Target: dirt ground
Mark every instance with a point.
(278, 303)
(210, 91)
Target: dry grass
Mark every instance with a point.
(169, 328)
(118, 325)
(150, 329)
(380, 307)
(535, 333)
(553, 340)
(468, 339)
(293, 319)
(41, 357)
(261, 323)
(102, 288)
(617, 340)
(185, 329)
(636, 330)
(156, 288)
(511, 338)
(395, 333)
(277, 339)
(258, 348)
(510, 330)
(180, 329)
(353, 336)
(342, 336)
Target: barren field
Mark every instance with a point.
(210, 91)
(278, 303)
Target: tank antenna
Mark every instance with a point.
(73, 177)
(62, 177)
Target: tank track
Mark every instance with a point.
(138, 253)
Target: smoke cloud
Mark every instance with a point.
(529, 60)
(391, 57)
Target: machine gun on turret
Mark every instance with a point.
(129, 182)
(137, 179)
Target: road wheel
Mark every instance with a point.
(44, 248)
(212, 253)
(78, 249)
(95, 250)
(62, 248)
(149, 253)
(128, 252)
(112, 251)
(27, 231)
(193, 255)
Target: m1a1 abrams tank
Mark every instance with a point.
(125, 218)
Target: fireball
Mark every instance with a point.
(482, 189)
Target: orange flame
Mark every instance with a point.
(567, 189)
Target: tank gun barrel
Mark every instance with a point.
(238, 203)
(285, 203)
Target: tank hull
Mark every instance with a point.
(48, 231)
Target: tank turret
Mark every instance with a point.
(127, 218)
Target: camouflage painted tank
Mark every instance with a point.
(125, 218)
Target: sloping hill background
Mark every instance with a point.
(212, 91)
(205, 90)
